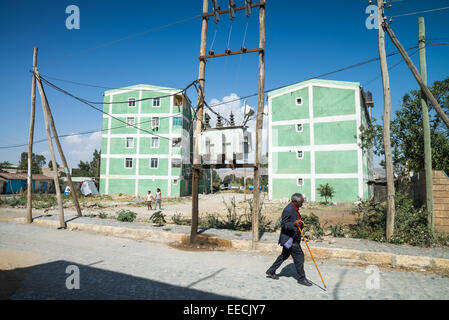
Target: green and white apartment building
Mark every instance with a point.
(314, 136)
(158, 154)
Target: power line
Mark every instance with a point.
(417, 12)
(316, 77)
(121, 39)
(114, 102)
(93, 107)
(214, 105)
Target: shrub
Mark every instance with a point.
(126, 216)
(326, 191)
(177, 219)
(370, 222)
(312, 226)
(211, 220)
(158, 218)
(103, 215)
(337, 230)
(410, 223)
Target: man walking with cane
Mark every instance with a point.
(290, 240)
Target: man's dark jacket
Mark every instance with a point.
(288, 229)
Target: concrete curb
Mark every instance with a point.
(319, 253)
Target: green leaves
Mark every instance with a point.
(407, 139)
(326, 191)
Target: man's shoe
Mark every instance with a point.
(272, 275)
(305, 282)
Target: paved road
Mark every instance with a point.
(115, 268)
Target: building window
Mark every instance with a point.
(176, 163)
(177, 121)
(155, 122)
(129, 143)
(299, 182)
(299, 154)
(131, 102)
(299, 101)
(128, 163)
(299, 127)
(154, 142)
(156, 102)
(130, 122)
(175, 182)
(154, 163)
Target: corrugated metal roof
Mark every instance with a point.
(22, 176)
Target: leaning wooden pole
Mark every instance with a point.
(61, 153)
(259, 126)
(386, 123)
(44, 101)
(424, 88)
(199, 123)
(30, 142)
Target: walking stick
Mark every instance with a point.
(311, 254)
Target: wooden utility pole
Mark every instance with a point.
(259, 125)
(30, 142)
(61, 153)
(386, 122)
(425, 90)
(45, 107)
(199, 123)
(196, 159)
(426, 124)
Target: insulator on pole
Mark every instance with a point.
(216, 9)
(231, 9)
(248, 7)
(219, 123)
(231, 119)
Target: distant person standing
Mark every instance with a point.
(158, 199)
(150, 199)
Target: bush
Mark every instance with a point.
(326, 191)
(103, 215)
(312, 228)
(410, 223)
(126, 216)
(371, 221)
(337, 230)
(177, 219)
(158, 218)
(16, 201)
(210, 221)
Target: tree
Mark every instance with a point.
(5, 164)
(95, 164)
(37, 162)
(407, 138)
(89, 169)
(50, 165)
(326, 191)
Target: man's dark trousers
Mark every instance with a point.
(298, 258)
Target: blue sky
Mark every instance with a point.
(303, 39)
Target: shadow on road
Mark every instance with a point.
(48, 281)
(290, 271)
